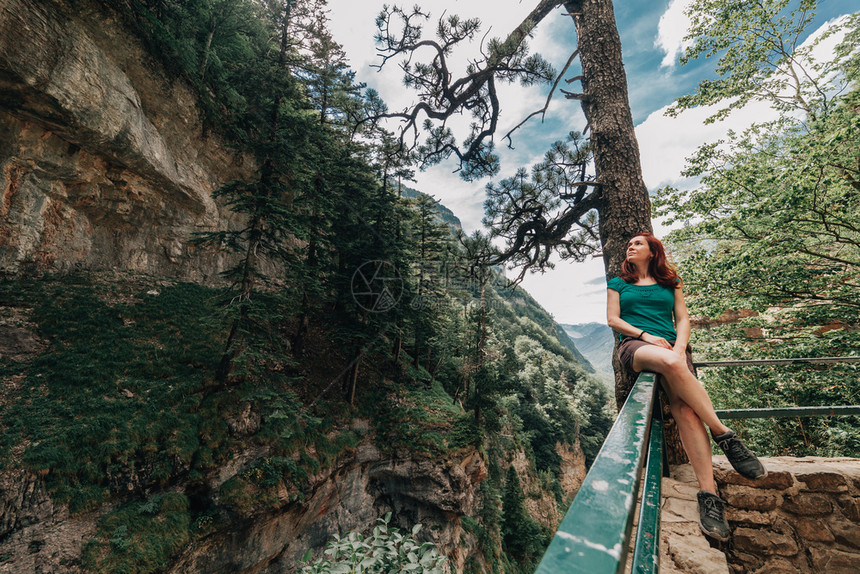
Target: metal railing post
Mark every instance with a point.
(646, 550)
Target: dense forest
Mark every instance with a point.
(349, 296)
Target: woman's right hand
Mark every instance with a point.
(654, 340)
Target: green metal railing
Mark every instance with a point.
(646, 550)
(594, 535)
(785, 412)
(798, 361)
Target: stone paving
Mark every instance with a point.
(683, 547)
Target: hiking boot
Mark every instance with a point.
(741, 459)
(712, 516)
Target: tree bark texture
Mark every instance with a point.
(674, 448)
(624, 205)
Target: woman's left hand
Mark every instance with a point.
(655, 340)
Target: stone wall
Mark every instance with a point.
(804, 516)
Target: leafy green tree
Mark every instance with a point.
(489, 374)
(329, 80)
(773, 222)
(770, 250)
(489, 363)
(544, 402)
(760, 56)
(592, 402)
(776, 224)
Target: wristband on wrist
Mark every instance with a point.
(639, 338)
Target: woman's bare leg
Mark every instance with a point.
(681, 381)
(695, 439)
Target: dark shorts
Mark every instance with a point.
(629, 346)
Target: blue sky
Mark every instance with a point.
(573, 293)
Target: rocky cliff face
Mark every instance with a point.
(104, 165)
(541, 505)
(103, 162)
(38, 536)
(35, 534)
(350, 496)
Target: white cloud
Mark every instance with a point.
(666, 142)
(566, 293)
(671, 31)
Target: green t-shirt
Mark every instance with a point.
(647, 307)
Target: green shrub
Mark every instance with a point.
(140, 537)
(384, 552)
(114, 400)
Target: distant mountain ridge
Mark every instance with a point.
(527, 306)
(525, 303)
(595, 341)
(445, 214)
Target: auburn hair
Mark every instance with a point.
(659, 266)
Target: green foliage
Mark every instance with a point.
(522, 208)
(257, 487)
(523, 537)
(593, 404)
(543, 410)
(385, 550)
(779, 210)
(790, 385)
(771, 246)
(760, 57)
(210, 44)
(114, 398)
(416, 419)
(139, 537)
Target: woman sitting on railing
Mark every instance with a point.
(646, 307)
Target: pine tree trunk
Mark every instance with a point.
(397, 346)
(255, 234)
(246, 290)
(624, 207)
(353, 376)
(310, 264)
(675, 452)
(213, 25)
